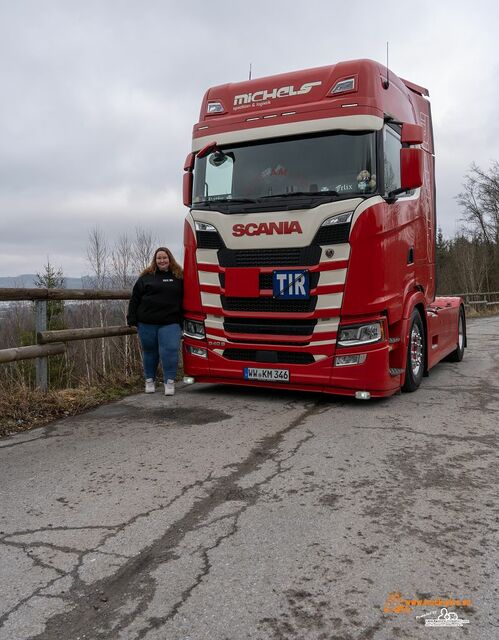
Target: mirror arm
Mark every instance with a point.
(396, 192)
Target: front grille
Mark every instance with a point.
(264, 326)
(288, 257)
(270, 305)
(209, 240)
(333, 234)
(269, 357)
(266, 280)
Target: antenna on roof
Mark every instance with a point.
(249, 78)
(386, 83)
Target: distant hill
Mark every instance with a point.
(27, 280)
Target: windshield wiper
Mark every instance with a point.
(238, 200)
(309, 194)
(218, 201)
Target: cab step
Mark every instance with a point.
(396, 372)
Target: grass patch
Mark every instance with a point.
(482, 312)
(22, 409)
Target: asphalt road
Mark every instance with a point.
(234, 514)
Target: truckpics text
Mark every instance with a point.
(310, 241)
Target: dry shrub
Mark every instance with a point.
(22, 408)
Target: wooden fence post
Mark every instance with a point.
(41, 363)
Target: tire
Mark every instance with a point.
(458, 353)
(416, 354)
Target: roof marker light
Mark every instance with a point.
(214, 107)
(343, 85)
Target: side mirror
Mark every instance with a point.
(187, 180)
(411, 168)
(411, 134)
(189, 162)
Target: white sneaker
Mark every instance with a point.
(150, 386)
(169, 388)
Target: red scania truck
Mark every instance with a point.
(310, 241)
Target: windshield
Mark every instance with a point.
(327, 165)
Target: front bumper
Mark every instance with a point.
(373, 375)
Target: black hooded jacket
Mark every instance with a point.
(156, 299)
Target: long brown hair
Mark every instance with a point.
(174, 267)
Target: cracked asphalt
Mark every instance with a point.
(225, 513)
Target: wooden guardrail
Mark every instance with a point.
(10, 294)
(54, 342)
(67, 335)
(32, 351)
(476, 299)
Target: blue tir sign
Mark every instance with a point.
(291, 285)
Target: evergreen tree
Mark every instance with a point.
(58, 366)
(52, 278)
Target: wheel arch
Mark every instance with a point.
(414, 301)
(462, 308)
(421, 309)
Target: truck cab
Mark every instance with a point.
(310, 241)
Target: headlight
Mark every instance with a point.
(343, 218)
(204, 226)
(350, 336)
(194, 329)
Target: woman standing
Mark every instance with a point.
(156, 310)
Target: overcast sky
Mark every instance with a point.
(98, 99)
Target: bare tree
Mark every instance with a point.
(480, 201)
(480, 204)
(122, 258)
(98, 258)
(143, 248)
(469, 264)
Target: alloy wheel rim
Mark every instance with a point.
(416, 350)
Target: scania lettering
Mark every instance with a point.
(309, 257)
(267, 228)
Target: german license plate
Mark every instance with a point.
(268, 375)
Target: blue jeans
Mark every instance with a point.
(160, 341)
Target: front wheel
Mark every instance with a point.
(416, 350)
(458, 353)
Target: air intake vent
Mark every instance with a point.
(269, 357)
(289, 257)
(264, 326)
(209, 240)
(269, 305)
(333, 234)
